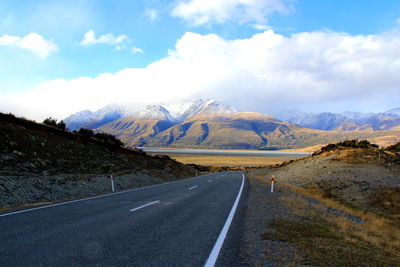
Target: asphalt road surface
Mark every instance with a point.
(176, 224)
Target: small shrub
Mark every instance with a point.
(50, 121)
(346, 144)
(163, 157)
(61, 125)
(86, 132)
(109, 139)
(394, 148)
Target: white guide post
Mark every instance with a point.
(272, 183)
(112, 183)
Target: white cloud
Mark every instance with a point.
(33, 42)
(198, 12)
(267, 72)
(89, 39)
(398, 21)
(151, 13)
(261, 27)
(137, 50)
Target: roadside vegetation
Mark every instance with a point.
(323, 239)
(344, 206)
(328, 233)
(41, 163)
(52, 125)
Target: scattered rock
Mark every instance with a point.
(17, 153)
(13, 144)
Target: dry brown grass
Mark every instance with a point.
(376, 230)
(231, 161)
(305, 149)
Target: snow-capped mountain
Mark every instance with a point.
(213, 124)
(153, 112)
(107, 114)
(175, 112)
(184, 110)
(395, 111)
(92, 120)
(209, 107)
(340, 121)
(178, 109)
(320, 121)
(76, 120)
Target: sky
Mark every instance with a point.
(58, 58)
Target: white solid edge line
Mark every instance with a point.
(145, 205)
(89, 198)
(193, 187)
(212, 259)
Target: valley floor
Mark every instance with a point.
(231, 161)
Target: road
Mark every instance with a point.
(174, 224)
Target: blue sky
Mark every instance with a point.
(129, 36)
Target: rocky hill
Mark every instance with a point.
(354, 173)
(41, 163)
(338, 207)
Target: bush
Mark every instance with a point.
(86, 132)
(109, 139)
(50, 121)
(61, 125)
(347, 144)
(53, 122)
(394, 148)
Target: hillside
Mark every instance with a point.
(244, 130)
(365, 177)
(41, 163)
(343, 200)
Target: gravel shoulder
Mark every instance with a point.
(263, 206)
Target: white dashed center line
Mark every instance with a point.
(193, 187)
(148, 204)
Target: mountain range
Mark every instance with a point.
(347, 121)
(213, 124)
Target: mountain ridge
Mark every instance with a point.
(213, 124)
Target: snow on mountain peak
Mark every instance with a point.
(174, 112)
(154, 112)
(177, 109)
(210, 107)
(395, 111)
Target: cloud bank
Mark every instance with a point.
(32, 42)
(266, 72)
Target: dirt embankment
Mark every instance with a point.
(336, 208)
(357, 177)
(41, 164)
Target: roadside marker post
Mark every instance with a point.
(272, 183)
(112, 183)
